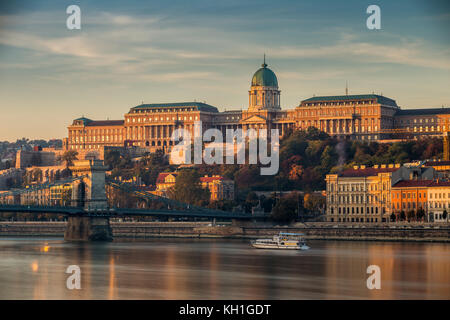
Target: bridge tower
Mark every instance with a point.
(89, 193)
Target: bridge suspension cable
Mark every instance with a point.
(168, 202)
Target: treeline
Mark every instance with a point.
(305, 159)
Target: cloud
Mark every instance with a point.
(402, 54)
(148, 48)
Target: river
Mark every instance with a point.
(34, 268)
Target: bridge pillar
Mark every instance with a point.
(82, 228)
(89, 193)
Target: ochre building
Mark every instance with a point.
(362, 117)
(220, 188)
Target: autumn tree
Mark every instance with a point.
(188, 189)
(313, 202)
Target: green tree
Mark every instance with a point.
(328, 158)
(285, 210)
(410, 215)
(420, 214)
(112, 158)
(188, 189)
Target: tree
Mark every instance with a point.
(188, 189)
(112, 158)
(402, 216)
(393, 217)
(328, 158)
(444, 214)
(68, 157)
(313, 202)
(410, 215)
(420, 214)
(285, 210)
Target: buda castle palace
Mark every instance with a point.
(366, 117)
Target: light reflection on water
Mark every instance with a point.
(34, 268)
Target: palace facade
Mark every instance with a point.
(366, 117)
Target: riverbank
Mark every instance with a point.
(319, 231)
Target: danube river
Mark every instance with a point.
(34, 268)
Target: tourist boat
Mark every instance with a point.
(283, 240)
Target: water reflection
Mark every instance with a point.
(221, 269)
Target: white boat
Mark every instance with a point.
(284, 240)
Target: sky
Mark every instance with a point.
(129, 52)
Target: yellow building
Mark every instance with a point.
(360, 194)
(360, 117)
(220, 188)
(439, 200)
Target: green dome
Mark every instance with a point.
(264, 77)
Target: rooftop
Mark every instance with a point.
(412, 183)
(440, 183)
(437, 163)
(196, 105)
(105, 123)
(418, 112)
(163, 175)
(213, 178)
(378, 98)
(365, 172)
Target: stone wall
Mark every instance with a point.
(46, 158)
(189, 229)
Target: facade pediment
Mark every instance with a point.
(254, 119)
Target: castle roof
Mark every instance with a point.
(379, 99)
(420, 112)
(199, 106)
(105, 123)
(264, 77)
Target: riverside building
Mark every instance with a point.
(365, 194)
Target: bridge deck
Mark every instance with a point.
(117, 212)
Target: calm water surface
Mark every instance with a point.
(34, 268)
